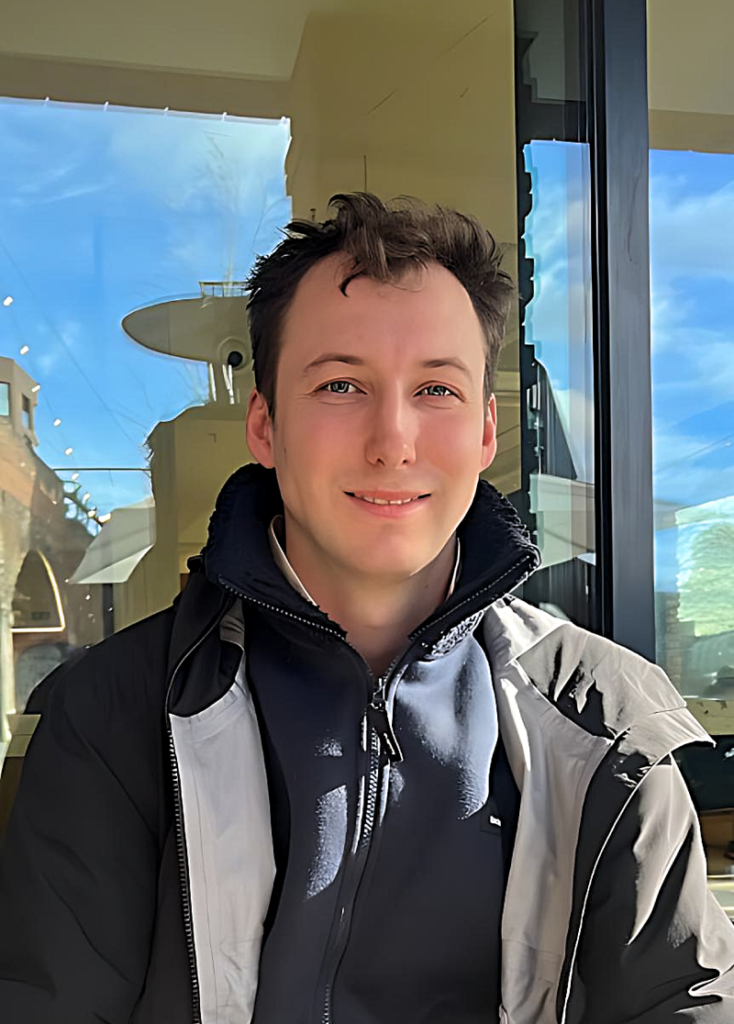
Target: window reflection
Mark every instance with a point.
(558, 333)
(104, 211)
(693, 414)
(125, 235)
(692, 263)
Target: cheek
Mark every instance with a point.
(456, 446)
(311, 442)
(329, 425)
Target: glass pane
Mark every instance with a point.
(127, 233)
(111, 219)
(557, 330)
(692, 263)
(693, 392)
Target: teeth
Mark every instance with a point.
(383, 501)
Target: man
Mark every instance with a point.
(346, 778)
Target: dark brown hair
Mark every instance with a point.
(384, 241)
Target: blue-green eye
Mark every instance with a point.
(436, 391)
(338, 387)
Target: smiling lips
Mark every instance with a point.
(386, 497)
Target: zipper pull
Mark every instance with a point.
(380, 721)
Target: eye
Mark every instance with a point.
(338, 387)
(437, 391)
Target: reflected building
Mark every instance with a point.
(43, 616)
(193, 454)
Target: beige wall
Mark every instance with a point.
(690, 76)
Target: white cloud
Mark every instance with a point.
(715, 362)
(48, 361)
(682, 470)
(691, 235)
(46, 179)
(178, 159)
(73, 192)
(559, 320)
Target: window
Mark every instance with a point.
(692, 268)
(127, 231)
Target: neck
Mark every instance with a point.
(377, 614)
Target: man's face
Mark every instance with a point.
(379, 398)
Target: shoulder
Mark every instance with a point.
(598, 683)
(120, 679)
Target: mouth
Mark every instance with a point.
(386, 499)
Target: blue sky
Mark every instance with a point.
(692, 295)
(104, 210)
(692, 266)
(692, 259)
(558, 320)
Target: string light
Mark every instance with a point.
(36, 388)
(86, 497)
(68, 451)
(8, 300)
(25, 350)
(57, 422)
(74, 476)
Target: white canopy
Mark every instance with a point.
(122, 542)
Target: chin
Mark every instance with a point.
(393, 565)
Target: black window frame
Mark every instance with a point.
(606, 60)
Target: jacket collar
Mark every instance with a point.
(496, 550)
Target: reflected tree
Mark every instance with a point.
(706, 587)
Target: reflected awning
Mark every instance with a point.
(119, 546)
(564, 511)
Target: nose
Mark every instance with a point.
(391, 434)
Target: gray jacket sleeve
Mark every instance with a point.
(655, 948)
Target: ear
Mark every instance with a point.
(489, 438)
(260, 430)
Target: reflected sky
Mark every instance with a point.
(692, 272)
(103, 210)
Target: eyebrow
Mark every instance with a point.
(438, 364)
(334, 357)
(350, 360)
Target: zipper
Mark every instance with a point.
(379, 718)
(528, 563)
(377, 707)
(183, 867)
(382, 737)
(378, 735)
(364, 831)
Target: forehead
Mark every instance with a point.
(424, 306)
